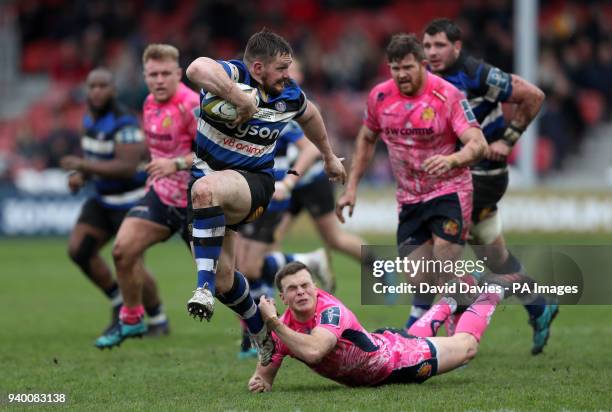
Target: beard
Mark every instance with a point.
(272, 89)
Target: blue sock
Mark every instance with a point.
(208, 233)
(260, 288)
(272, 264)
(536, 308)
(421, 303)
(512, 265)
(240, 301)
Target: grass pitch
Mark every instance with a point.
(51, 315)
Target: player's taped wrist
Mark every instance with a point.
(512, 134)
(180, 163)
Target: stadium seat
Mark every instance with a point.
(591, 106)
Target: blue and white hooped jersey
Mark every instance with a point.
(286, 154)
(485, 87)
(98, 143)
(314, 172)
(249, 146)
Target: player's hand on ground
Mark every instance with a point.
(76, 181)
(71, 162)
(258, 384)
(267, 308)
(438, 164)
(160, 168)
(498, 151)
(335, 169)
(347, 199)
(246, 107)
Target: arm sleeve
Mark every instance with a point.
(303, 103)
(461, 115)
(495, 84)
(235, 69)
(335, 319)
(370, 119)
(129, 134)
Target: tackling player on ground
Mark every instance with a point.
(320, 331)
(169, 124)
(114, 149)
(233, 168)
(486, 87)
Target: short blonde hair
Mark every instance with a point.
(160, 51)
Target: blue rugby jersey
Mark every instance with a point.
(98, 143)
(249, 146)
(286, 154)
(485, 87)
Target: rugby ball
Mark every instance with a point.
(221, 110)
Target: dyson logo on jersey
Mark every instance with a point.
(256, 130)
(413, 131)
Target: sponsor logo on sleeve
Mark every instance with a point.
(331, 316)
(467, 111)
(498, 79)
(235, 74)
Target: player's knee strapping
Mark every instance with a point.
(86, 250)
(486, 231)
(208, 233)
(239, 299)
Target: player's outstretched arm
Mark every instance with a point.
(364, 151)
(314, 129)
(127, 158)
(210, 76)
(263, 378)
(306, 158)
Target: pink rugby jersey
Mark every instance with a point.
(359, 358)
(415, 128)
(170, 129)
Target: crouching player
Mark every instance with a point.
(321, 332)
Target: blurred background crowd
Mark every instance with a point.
(50, 45)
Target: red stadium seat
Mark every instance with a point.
(591, 106)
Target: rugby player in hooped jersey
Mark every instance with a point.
(233, 168)
(486, 87)
(113, 147)
(421, 118)
(320, 331)
(169, 125)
